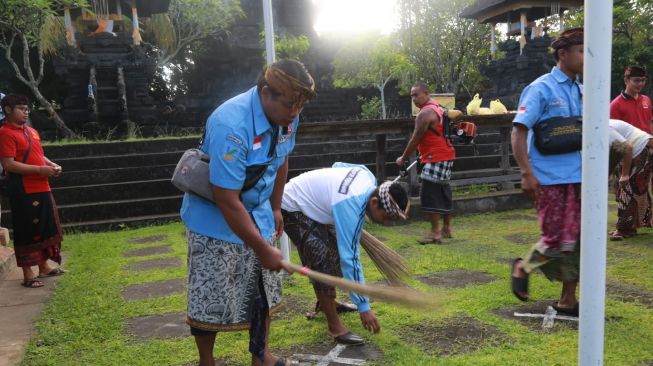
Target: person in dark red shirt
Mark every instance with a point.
(37, 231)
(630, 105)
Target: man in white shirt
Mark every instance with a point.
(324, 212)
(631, 178)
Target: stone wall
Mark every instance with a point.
(513, 72)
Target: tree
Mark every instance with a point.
(189, 21)
(371, 61)
(446, 49)
(24, 24)
(632, 37)
(288, 46)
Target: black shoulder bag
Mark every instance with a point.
(558, 135)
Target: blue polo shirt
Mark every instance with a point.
(551, 95)
(238, 136)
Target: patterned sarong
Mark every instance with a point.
(633, 199)
(317, 247)
(557, 253)
(37, 230)
(225, 281)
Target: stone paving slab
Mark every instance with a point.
(456, 279)
(161, 326)
(457, 335)
(523, 238)
(159, 263)
(629, 293)
(164, 249)
(148, 239)
(154, 289)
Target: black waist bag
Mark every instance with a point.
(558, 135)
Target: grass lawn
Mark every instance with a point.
(84, 323)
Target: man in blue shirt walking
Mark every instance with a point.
(552, 181)
(233, 282)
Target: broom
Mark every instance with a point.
(398, 295)
(391, 265)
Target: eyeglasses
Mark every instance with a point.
(637, 80)
(25, 109)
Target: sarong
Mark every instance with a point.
(317, 247)
(37, 229)
(225, 282)
(435, 192)
(557, 253)
(633, 199)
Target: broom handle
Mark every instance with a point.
(329, 280)
(399, 296)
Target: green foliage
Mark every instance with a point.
(53, 35)
(632, 40)
(287, 46)
(370, 108)
(187, 22)
(446, 49)
(372, 61)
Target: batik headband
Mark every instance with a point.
(287, 85)
(388, 203)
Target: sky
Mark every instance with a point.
(355, 16)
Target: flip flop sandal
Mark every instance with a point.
(346, 308)
(567, 311)
(429, 240)
(518, 285)
(281, 361)
(349, 338)
(32, 283)
(53, 273)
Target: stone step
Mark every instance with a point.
(80, 213)
(117, 175)
(119, 148)
(116, 191)
(7, 261)
(89, 163)
(121, 223)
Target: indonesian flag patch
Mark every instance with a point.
(258, 141)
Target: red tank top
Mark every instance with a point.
(435, 147)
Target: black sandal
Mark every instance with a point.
(518, 284)
(32, 283)
(281, 361)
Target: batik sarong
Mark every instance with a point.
(633, 199)
(37, 230)
(317, 247)
(225, 282)
(557, 253)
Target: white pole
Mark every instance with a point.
(285, 246)
(269, 31)
(594, 206)
(493, 42)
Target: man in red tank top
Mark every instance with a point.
(437, 155)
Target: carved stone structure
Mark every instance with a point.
(526, 59)
(107, 71)
(510, 75)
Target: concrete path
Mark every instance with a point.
(20, 307)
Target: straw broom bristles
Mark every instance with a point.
(398, 295)
(391, 265)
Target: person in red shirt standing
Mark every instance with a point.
(632, 106)
(37, 231)
(438, 155)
